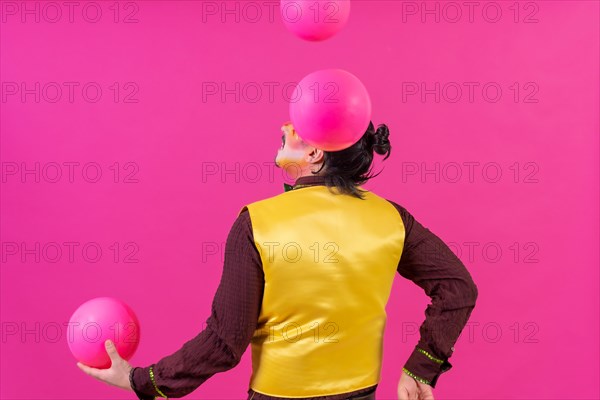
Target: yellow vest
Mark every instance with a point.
(329, 261)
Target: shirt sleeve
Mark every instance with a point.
(230, 327)
(428, 262)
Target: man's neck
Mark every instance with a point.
(311, 179)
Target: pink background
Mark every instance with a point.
(534, 331)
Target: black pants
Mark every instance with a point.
(366, 396)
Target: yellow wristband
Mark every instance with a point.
(154, 383)
(425, 381)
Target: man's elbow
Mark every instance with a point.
(472, 292)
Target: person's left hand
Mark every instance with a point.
(411, 389)
(118, 373)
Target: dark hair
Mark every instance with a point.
(346, 169)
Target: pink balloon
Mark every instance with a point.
(330, 109)
(315, 19)
(98, 320)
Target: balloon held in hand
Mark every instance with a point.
(98, 320)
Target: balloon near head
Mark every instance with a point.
(330, 109)
(98, 320)
(315, 20)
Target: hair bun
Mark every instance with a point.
(380, 141)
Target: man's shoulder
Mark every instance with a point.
(406, 216)
(398, 206)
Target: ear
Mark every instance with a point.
(315, 156)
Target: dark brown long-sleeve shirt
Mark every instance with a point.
(426, 260)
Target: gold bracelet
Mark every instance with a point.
(425, 381)
(154, 383)
(432, 358)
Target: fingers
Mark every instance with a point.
(425, 392)
(94, 372)
(101, 374)
(403, 393)
(112, 351)
(426, 395)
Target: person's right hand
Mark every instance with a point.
(411, 389)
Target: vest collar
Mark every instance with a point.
(309, 180)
